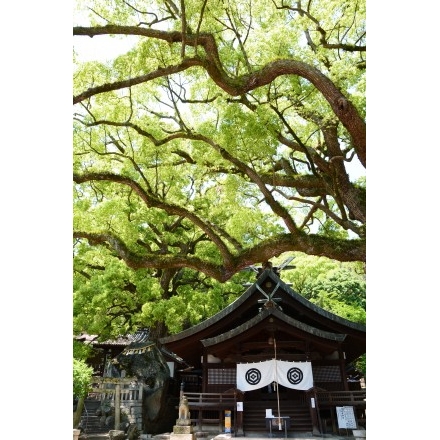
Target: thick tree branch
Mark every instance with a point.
(152, 201)
(341, 106)
(160, 72)
(342, 250)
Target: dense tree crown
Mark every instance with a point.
(225, 136)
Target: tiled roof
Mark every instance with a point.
(280, 315)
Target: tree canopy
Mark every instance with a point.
(223, 137)
(337, 287)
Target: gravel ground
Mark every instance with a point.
(253, 436)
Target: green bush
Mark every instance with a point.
(82, 378)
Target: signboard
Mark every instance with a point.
(227, 420)
(346, 418)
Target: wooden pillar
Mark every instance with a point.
(117, 405)
(342, 367)
(314, 412)
(205, 370)
(200, 416)
(333, 416)
(239, 422)
(239, 397)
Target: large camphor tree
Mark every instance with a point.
(225, 136)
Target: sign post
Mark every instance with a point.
(227, 420)
(346, 417)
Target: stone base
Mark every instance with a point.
(165, 436)
(183, 431)
(174, 436)
(116, 434)
(177, 429)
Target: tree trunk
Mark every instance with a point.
(78, 413)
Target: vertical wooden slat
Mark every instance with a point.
(117, 406)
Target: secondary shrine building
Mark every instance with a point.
(275, 351)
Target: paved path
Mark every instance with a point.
(252, 435)
(290, 435)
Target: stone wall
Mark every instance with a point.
(133, 410)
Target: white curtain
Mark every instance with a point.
(295, 375)
(255, 375)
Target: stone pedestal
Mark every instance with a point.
(182, 433)
(76, 433)
(360, 434)
(116, 434)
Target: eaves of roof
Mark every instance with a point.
(311, 306)
(265, 313)
(279, 284)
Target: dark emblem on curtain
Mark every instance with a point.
(253, 376)
(294, 376)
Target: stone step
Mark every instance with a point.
(90, 422)
(254, 418)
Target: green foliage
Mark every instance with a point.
(330, 229)
(190, 155)
(194, 302)
(337, 287)
(108, 295)
(81, 351)
(111, 299)
(361, 365)
(332, 304)
(82, 378)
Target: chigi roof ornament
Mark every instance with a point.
(269, 265)
(270, 300)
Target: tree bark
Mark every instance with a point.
(78, 413)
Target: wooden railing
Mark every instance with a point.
(329, 400)
(341, 398)
(209, 408)
(119, 391)
(106, 388)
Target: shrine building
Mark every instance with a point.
(276, 353)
